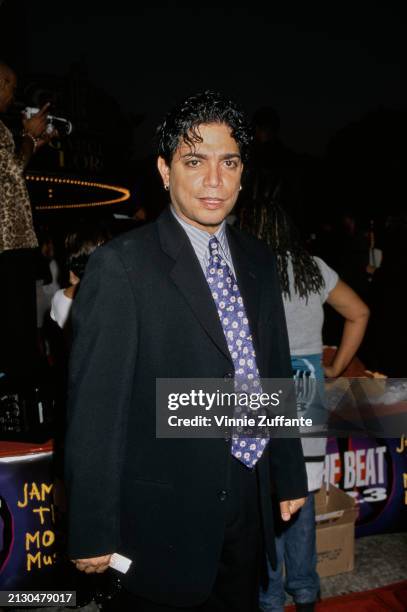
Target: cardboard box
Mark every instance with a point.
(335, 525)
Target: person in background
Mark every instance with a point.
(18, 242)
(307, 282)
(274, 170)
(47, 278)
(79, 245)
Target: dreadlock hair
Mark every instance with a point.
(271, 223)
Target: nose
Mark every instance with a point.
(213, 177)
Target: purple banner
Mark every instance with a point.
(374, 473)
(27, 534)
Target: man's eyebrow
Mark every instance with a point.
(203, 156)
(191, 154)
(231, 156)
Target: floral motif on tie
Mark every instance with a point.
(235, 324)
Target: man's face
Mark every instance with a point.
(8, 85)
(204, 181)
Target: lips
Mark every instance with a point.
(211, 203)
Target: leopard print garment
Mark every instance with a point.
(16, 223)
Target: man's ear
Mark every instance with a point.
(164, 170)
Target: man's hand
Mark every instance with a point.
(37, 125)
(46, 138)
(94, 565)
(37, 135)
(290, 507)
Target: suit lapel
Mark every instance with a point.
(188, 277)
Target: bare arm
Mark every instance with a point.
(356, 314)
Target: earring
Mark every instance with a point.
(166, 187)
(240, 188)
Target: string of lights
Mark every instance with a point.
(52, 180)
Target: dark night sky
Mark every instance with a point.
(320, 68)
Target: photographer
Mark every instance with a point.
(17, 237)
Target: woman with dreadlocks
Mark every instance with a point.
(307, 283)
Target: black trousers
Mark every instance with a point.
(236, 586)
(18, 318)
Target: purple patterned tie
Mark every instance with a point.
(232, 315)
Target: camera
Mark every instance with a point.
(63, 126)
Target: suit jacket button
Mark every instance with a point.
(228, 376)
(222, 495)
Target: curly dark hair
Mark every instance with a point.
(183, 121)
(81, 243)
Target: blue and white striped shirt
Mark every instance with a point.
(200, 242)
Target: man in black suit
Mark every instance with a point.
(193, 515)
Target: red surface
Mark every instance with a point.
(13, 449)
(392, 597)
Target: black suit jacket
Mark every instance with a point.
(144, 311)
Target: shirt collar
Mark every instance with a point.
(200, 240)
(191, 229)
